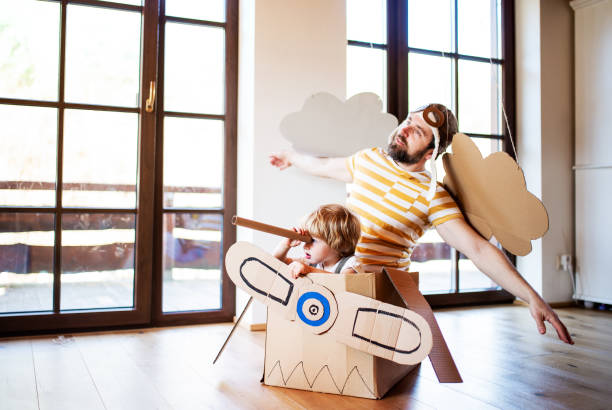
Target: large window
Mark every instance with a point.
(454, 52)
(118, 144)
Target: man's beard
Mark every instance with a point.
(399, 154)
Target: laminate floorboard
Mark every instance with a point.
(503, 360)
(17, 375)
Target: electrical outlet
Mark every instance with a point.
(564, 262)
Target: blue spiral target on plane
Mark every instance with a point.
(313, 308)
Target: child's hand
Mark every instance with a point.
(297, 269)
(285, 244)
(291, 243)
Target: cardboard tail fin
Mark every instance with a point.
(440, 355)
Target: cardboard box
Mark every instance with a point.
(355, 334)
(297, 358)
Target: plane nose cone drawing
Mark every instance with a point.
(316, 308)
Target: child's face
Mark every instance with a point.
(318, 251)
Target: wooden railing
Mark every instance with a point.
(89, 186)
(24, 258)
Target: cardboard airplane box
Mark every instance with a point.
(356, 334)
(297, 358)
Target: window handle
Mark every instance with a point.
(151, 100)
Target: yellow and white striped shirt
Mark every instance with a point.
(393, 209)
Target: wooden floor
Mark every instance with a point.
(505, 364)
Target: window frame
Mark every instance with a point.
(397, 104)
(228, 207)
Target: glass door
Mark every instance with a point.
(196, 160)
(99, 211)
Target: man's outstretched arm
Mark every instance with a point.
(334, 168)
(490, 260)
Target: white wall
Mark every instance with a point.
(288, 50)
(545, 129)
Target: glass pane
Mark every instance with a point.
(487, 146)
(366, 20)
(479, 91)
(193, 163)
(194, 76)
(102, 64)
(431, 258)
(26, 262)
(97, 261)
(100, 159)
(28, 155)
(29, 49)
(430, 80)
(470, 278)
(430, 25)
(192, 262)
(478, 27)
(366, 71)
(211, 10)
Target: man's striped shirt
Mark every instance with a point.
(393, 209)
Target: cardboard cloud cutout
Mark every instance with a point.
(493, 196)
(329, 127)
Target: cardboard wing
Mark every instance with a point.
(329, 127)
(493, 196)
(363, 323)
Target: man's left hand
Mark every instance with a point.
(541, 311)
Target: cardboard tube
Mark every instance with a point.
(274, 230)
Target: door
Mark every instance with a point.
(105, 221)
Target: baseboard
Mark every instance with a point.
(257, 327)
(557, 305)
(554, 305)
(254, 327)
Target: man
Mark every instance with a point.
(396, 200)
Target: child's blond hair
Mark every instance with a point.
(335, 225)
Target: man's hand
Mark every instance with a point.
(281, 160)
(489, 260)
(541, 311)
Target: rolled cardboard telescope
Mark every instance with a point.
(274, 230)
